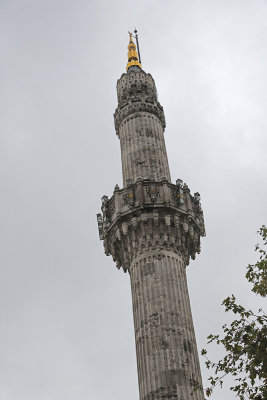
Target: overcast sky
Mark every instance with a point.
(65, 310)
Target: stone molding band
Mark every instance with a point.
(130, 108)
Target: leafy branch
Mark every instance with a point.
(244, 340)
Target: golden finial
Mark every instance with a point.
(132, 54)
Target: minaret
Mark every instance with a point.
(152, 227)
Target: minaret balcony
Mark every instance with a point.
(149, 213)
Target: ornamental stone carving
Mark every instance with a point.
(134, 220)
(136, 94)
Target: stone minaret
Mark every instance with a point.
(152, 227)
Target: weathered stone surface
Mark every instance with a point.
(150, 220)
(139, 123)
(152, 228)
(165, 340)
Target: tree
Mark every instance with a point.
(245, 339)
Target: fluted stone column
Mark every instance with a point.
(166, 349)
(152, 228)
(140, 123)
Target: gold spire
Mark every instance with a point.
(132, 54)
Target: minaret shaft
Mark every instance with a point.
(140, 123)
(167, 359)
(151, 228)
(143, 151)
